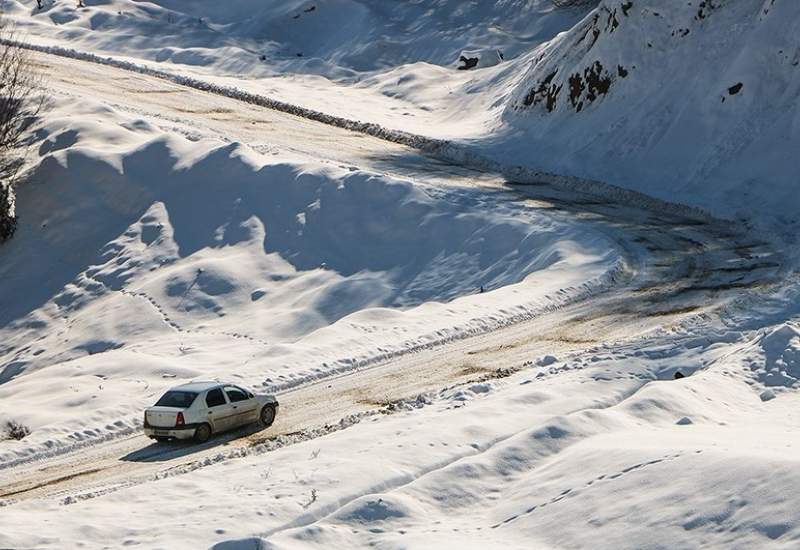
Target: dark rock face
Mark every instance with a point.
(468, 63)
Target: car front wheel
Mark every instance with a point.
(202, 433)
(267, 415)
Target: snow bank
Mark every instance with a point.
(774, 359)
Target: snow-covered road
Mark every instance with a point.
(197, 114)
(675, 269)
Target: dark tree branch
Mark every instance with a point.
(20, 104)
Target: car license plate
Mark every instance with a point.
(161, 432)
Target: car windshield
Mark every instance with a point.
(182, 399)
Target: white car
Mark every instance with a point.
(199, 409)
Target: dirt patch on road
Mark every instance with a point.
(49, 482)
(468, 368)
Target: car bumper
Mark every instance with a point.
(184, 432)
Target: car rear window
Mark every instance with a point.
(215, 398)
(182, 399)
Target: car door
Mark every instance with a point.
(221, 413)
(245, 407)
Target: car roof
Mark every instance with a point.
(199, 386)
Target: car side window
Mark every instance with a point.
(249, 394)
(215, 398)
(235, 394)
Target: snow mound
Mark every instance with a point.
(781, 357)
(376, 509)
(282, 230)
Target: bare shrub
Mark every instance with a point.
(15, 430)
(20, 104)
(312, 499)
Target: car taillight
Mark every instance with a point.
(179, 421)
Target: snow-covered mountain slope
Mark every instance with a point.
(389, 62)
(694, 101)
(168, 234)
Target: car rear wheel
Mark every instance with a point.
(267, 415)
(202, 433)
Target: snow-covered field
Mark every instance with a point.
(461, 362)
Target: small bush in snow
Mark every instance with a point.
(312, 499)
(15, 430)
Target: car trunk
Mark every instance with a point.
(162, 417)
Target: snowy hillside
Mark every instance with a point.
(334, 38)
(476, 339)
(692, 101)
